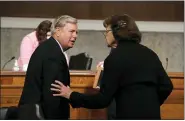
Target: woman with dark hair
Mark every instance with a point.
(42, 31)
(133, 75)
(31, 41)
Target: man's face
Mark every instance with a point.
(109, 37)
(67, 35)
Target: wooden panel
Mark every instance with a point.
(82, 114)
(140, 10)
(99, 114)
(176, 97)
(146, 10)
(82, 81)
(11, 90)
(178, 83)
(172, 111)
(6, 80)
(74, 113)
(18, 80)
(8, 73)
(176, 75)
(7, 101)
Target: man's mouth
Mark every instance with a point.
(73, 42)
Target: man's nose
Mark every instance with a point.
(75, 35)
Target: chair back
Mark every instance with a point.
(81, 61)
(9, 113)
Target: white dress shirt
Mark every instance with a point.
(65, 54)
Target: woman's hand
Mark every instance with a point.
(100, 65)
(61, 89)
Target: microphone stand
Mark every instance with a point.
(8, 62)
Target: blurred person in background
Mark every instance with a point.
(31, 41)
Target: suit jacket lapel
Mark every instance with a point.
(58, 50)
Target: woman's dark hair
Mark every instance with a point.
(123, 28)
(42, 30)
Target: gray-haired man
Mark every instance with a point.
(47, 64)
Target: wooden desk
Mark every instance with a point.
(82, 81)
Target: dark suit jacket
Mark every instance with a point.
(46, 65)
(135, 77)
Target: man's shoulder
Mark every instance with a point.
(47, 45)
(43, 50)
(49, 49)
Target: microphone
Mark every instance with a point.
(8, 62)
(166, 63)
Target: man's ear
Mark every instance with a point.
(57, 30)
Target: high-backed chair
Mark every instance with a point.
(81, 61)
(23, 112)
(8, 113)
(30, 112)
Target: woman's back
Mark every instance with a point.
(137, 95)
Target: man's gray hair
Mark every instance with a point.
(61, 21)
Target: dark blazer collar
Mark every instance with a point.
(54, 43)
(127, 40)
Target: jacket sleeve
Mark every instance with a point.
(165, 85)
(32, 87)
(109, 85)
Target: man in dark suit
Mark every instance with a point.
(47, 64)
(133, 75)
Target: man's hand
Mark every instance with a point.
(61, 89)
